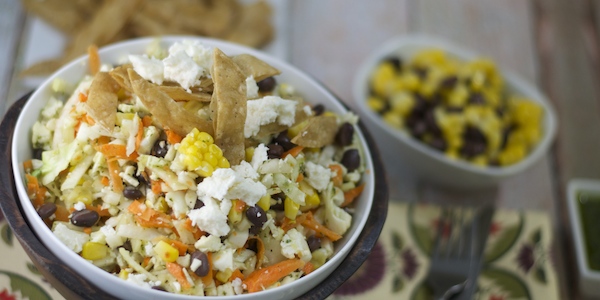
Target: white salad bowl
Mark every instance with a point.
(400, 150)
(312, 91)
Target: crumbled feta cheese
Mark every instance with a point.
(260, 156)
(225, 289)
(181, 68)
(237, 286)
(210, 218)
(217, 185)
(200, 54)
(267, 110)
(307, 110)
(245, 170)
(73, 239)
(317, 176)
(229, 184)
(251, 88)
(112, 239)
(209, 243)
(79, 206)
(196, 263)
(294, 243)
(149, 68)
(139, 280)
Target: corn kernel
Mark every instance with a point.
(264, 202)
(381, 77)
(94, 251)
(294, 130)
(376, 104)
(200, 154)
(393, 120)
(290, 208)
(223, 276)
(166, 252)
(402, 103)
(123, 274)
(312, 200)
(511, 154)
(234, 216)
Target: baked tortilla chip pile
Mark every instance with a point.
(102, 22)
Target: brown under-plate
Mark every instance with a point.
(72, 286)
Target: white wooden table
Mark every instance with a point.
(552, 43)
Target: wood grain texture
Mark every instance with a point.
(11, 25)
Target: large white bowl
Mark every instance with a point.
(312, 91)
(589, 279)
(400, 150)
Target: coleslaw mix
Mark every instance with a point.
(127, 173)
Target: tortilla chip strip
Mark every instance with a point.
(120, 74)
(93, 59)
(60, 14)
(231, 107)
(320, 131)
(180, 94)
(165, 110)
(251, 65)
(102, 100)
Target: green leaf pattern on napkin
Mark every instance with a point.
(25, 286)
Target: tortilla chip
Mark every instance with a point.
(93, 59)
(120, 75)
(231, 107)
(165, 110)
(102, 100)
(179, 93)
(251, 65)
(320, 131)
(61, 14)
(254, 27)
(269, 129)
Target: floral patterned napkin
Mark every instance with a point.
(517, 262)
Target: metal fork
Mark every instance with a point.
(454, 254)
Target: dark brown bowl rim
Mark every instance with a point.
(78, 288)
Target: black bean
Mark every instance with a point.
(284, 141)
(267, 84)
(158, 288)
(46, 210)
(432, 126)
(127, 246)
(256, 215)
(37, 153)
(345, 134)
(279, 198)
(203, 269)
(351, 159)
(454, 109)
(314, 242)
(474, 142)
(318, 109)
(275, 151)
(477, 98)
(417, 127)
(438, 143)
(143, 178)
(160, 148)
(84, 218)
(395, 61)
(198, 204)
(132, 193)
(421, 72)
(449, 82)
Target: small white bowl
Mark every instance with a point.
(312, 91)
(589, 279)
(400, 150)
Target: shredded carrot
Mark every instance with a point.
(116, 150)
(293, 152)
(28, 165)
(113, 170)
(155, 186)
(101, 212)
(105, 181)
(177, 271)
(265, 277)
(61, 214)
(172, 137)
(88, 119)
(82, 97)
(146, 261)
(338, 179)
(351, 194)
(140, 135)
(183, 248)
(236, 274)
(288, 224)
(93, 59)
(300, 177)
(103, 140)
(87, 230)
(148, 217)
(193, 229)
(239, 205)
(36, 192)
(309, 221)
(260, 250)
(208, 278)
(308, 268)
(147, 121)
